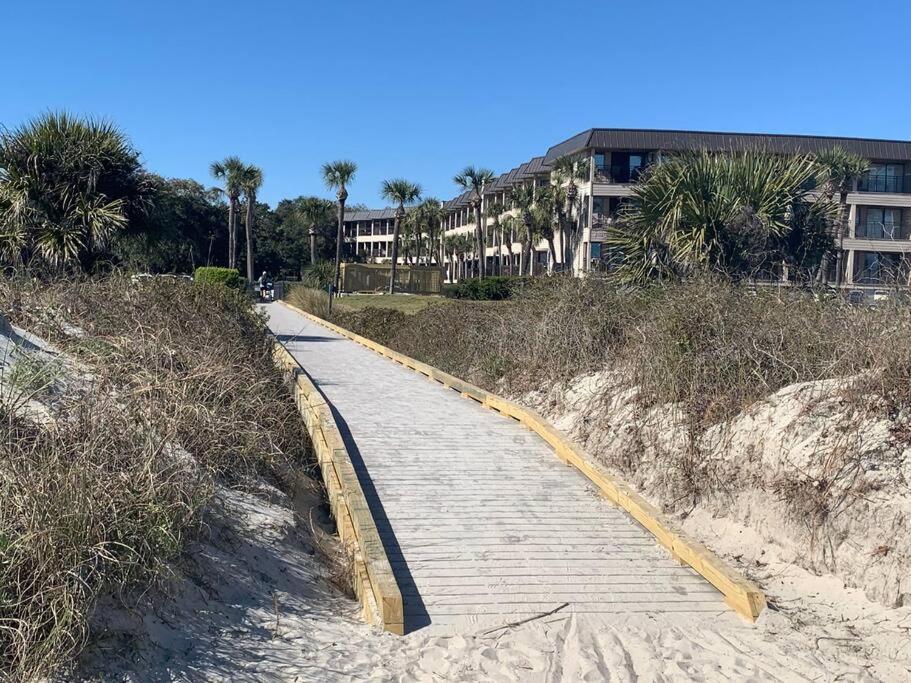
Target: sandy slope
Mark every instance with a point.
(250, 606)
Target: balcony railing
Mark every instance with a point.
(873, 230)
(881, 182)
(616, 173)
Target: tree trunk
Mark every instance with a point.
(248, 228)
(553, 250)
(312, 245)
(339, 236)
(395, 248)
(563, 232)
(230, 232)
(531, 247)
(497, 248)
(840, 237)
(479, 238)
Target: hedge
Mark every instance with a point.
(210, 275)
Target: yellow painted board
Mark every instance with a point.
(346, 498)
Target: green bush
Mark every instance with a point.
(319, 275)
(211, 275)
(497, 288)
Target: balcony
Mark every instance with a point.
(617, 173)
(874, 230)
(882, 182)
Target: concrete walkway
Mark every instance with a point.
(481, 522)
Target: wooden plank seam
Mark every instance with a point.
(741, 594)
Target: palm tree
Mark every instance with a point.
(429, 216)
(840, 172)
(508, 228)
(337, 175)
(473, 180)
(67, 186)
(522, 198)
(495, 210)
(543, 219)
(735, 214)
(401, 192)
(230, 170)
(314, 212)
(568, 170)
(250, 182)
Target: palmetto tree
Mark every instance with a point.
(543, 215)
(314, 212)
(522, 198)
(730, 213)
(67, 185)
(569, 170)
(230, 171)
(508, 229)
(251, 181)
(429, 216)
(400, 192)
(494, 211)
(337, 175)
(473, 180)
(840, 172)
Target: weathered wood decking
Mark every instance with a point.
(480, 521)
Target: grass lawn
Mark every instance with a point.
(407, 303)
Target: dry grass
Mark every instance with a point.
(181, 392)
(709, 348)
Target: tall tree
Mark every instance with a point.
(400, 192)
(67, 187)
(251, 181)
(543, 215)
(473, 180)
(522, 198)
(337, 175)
(494, 211)
(230, 171)
(314, 212)
(567, 171)
(508, 228)
(840, 172)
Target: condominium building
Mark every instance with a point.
(877, 247)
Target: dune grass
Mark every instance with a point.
(172, 390)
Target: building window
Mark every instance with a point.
(626, 166)
(879, 223)
(883, 178)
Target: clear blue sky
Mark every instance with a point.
(420, 89)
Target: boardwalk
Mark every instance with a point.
(481, 522)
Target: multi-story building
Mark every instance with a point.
(877, 246)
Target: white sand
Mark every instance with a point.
(250, 606)
(250, 603)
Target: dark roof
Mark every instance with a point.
(537, 166)
(678, 140)
(372, 214)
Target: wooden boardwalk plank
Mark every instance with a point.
(463, 495)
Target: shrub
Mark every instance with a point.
(319, 275)
(497, 288)
(183, 393)
(211, 275)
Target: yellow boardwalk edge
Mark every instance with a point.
(741, 594)
(375, 584)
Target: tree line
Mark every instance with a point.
(75, 196)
